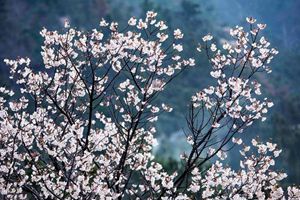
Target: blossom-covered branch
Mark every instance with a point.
(83, 127)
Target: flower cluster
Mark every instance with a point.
(254, 180)
(84, 127)
(237, 93)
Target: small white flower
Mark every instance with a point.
(151, 14)
(270, 104)
(261, 26)
(207, 37)
(103, 23)
(254, 142)
(238, 141)
(161, 25)
(199, 48)
(162, 37)
(190, 140)
(178, 34)
(132, 21)
(142, 25)
(178, 47)
(222, 155)
(213, 47)
(277, 152)
(67, 24)
(209, 90)
(216, 74)
(194, 188)
(250, 20)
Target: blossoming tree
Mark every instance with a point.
(84, 126)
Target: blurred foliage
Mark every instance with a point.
(21, 21)
(170, 164)
(287, 133)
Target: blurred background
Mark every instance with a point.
(21, 21)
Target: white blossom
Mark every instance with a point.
(92, 130)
